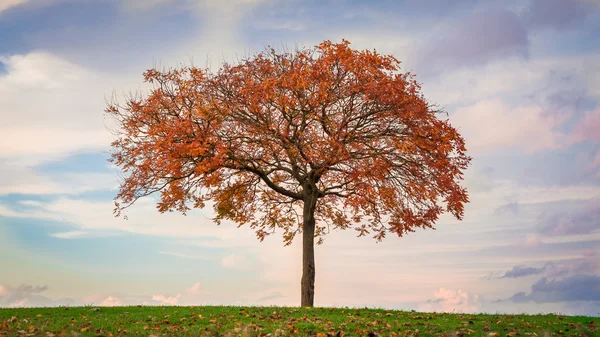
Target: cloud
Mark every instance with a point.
(7, 4)
(492, 125)
(532, 240)
(212, 10)
(195, 289)
(136, 5)
(68, 235)
(172, 300)
(122, 299)
(522, 271)
(571, 288)
(448, 300)
(588, 264)
(66, 117)
(512, 207)
(23, 295)
(19, 179)
(111, 301)
(587, 127)
(584, 220)
(484, 36)
(234, 261)
(557, 14)
(185, 255)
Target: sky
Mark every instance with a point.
(520, 80)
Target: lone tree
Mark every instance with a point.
(324, 137)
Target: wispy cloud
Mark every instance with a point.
(187, 256)
(7, 4)
(68, 235)
(522, 271)
(584, 220)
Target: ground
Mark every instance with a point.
(278, 321)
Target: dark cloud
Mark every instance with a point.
(569, 289)
(588, 264)
(522, 271)
(582, 221)
(484, 36)
(512, 207)
(558, 14)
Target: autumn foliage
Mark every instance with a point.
(322, 138)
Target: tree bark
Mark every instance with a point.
(308, 251)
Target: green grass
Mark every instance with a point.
(276, 321)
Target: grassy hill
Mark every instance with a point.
(276, 321)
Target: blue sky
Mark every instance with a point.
(520, 79)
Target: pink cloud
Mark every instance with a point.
(532, 240)
(596, 162)
(448, 300)
(195, 289)
(166, 300)
(588, 128)
(3, 291)
(492, 124)
(18, 304)
(110, 301)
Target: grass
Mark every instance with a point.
(276, 321)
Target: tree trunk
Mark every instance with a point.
(308, 252)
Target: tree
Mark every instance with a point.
(325, 137)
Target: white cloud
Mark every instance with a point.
(33, 203)
(66, 115)
(186, 256)
(7, 212)
(25, 180)
(68, 235)
(51, 143)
